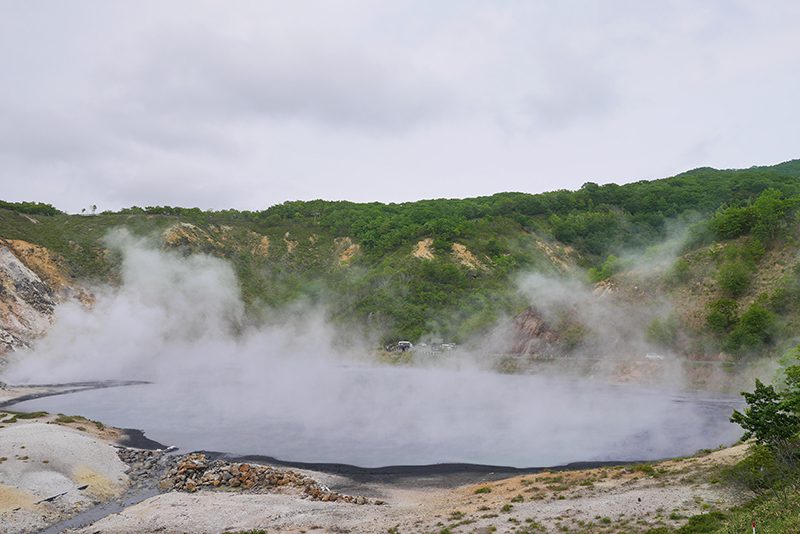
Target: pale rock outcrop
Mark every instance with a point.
(26, 302)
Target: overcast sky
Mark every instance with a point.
(248, 104)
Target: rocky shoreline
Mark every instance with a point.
(195, 471)
(145, 467)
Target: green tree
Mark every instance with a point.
(772, 417)
(769, 210)
(729, 223)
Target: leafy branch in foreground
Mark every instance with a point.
(771, 417)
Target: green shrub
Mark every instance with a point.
(647, 469)
(30, 415)
(772, 417)
(67, 419)
(703, 523)
(605, 271)
(758, 472)
(663, 332)
(775, 513)
(723, 314)
(442, 246)
(734, 278)
(729, 223)
(572, 336)
(679, 273)
(770, 209)
(755, 328)
(753, 250)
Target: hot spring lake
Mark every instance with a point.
(381, 416)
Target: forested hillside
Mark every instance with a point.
(449, 267)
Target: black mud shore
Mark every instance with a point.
(135, 439)
(65, 389)
(132, 437)
(432, 475)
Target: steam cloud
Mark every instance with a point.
(288, 388)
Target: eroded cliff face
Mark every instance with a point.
(31, 284)
(532, 336)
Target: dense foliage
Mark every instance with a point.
(771, 469)
(747, 212)
(772, 417)
(31, 208)
(596, 219)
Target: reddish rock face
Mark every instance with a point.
(532, 335)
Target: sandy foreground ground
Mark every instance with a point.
(614, 499)
(77, 463)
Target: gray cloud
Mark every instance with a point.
(573, 92)
(252, 103)
(328, 83)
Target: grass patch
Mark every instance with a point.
(707, 523)
(29, 415)
(647, 469)
(67, 419)
(774, 512)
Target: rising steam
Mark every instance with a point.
(290, 390)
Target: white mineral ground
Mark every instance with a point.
(40, 460)
(43, 459)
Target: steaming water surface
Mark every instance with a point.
(378, 416)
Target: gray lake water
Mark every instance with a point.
(379, 416)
